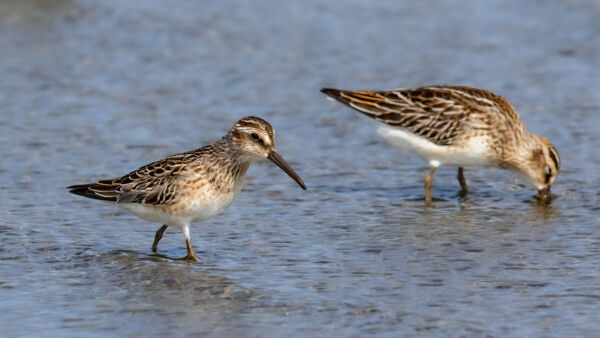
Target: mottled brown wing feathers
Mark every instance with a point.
(151, 184)
(438, 113)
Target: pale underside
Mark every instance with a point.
(202, 204)
(472, 152)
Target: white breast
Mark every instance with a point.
(205, 208)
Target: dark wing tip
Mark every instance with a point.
(80, 189)
(86, 191)
(335, 93)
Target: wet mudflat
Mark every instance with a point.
(92, 90)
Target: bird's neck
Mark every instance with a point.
(517, 151)
(232, 157)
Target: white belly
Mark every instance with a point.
(205, 209)
(473, 153)
(195, 210)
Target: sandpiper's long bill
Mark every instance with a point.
(191, 186)
(458, 125)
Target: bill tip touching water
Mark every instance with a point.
(195, 185)
(460, 126)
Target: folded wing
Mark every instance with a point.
(437, 113)
(154, 183)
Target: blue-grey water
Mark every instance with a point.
(94, 89)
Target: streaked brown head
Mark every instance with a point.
(255, 137)
(543, 167)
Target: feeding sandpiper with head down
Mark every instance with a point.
(461, 126)
(192, 186)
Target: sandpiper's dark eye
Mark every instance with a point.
(254, 136)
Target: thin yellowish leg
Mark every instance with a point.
(191, 254)
(463, 183)
(428, 182)
(158, 236)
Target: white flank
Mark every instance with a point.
(196, 210)
(471, 154)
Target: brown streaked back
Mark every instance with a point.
(150, 184)
(439, 113)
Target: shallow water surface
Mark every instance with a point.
(92, 90)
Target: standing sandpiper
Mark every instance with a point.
(460, 126)
(192, 186)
